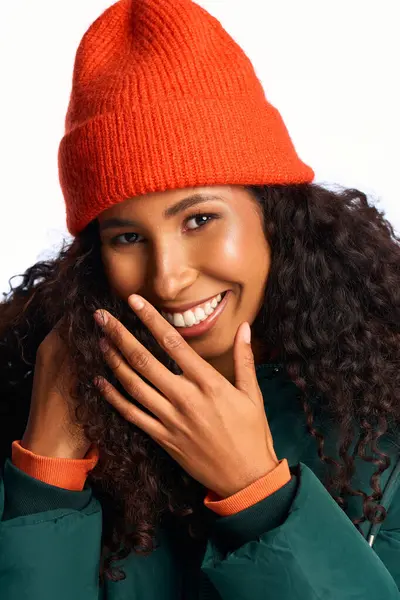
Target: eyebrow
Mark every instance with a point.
(170, 212)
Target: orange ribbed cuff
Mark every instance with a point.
(255, 492)
(67, 473)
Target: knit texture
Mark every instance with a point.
(67, 473)
(71, 474)
(163, 98)
(255, 492)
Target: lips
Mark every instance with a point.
(200, 312)
(184, 307)
(207, 324)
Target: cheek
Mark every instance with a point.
(249, 258)
(122, 275)
(243, 256)
(231, 249)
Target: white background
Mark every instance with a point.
(331, 68)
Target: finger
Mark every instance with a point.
(157, 404)
(137, 356)
(129, 411)
(193, 366)
(245, 371)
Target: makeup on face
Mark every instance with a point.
(199, 255)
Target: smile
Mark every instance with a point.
(201, 318)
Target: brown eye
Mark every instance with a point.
(203, 219)
(115, 241)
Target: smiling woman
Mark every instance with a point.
(235, 437)
(170, 263)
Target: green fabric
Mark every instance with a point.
(27, 496)
(295, 545)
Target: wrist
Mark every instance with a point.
(54, 449)
(226, 491)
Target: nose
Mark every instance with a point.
(171, 272)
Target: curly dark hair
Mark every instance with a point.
(331, 310)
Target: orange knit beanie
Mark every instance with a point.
(163, 98)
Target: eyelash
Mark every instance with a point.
(210, 216)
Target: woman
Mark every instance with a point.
(188, 459)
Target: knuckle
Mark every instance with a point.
(172, 341)
(114, 360)
(249, 361)
(212, 388)
(134, 388)
(138, 358)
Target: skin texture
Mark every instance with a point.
(168, 260)
(216, 431)
(311, 298)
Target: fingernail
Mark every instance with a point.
(101, 317)
(136, 302)
(98, 381)
(247, 333)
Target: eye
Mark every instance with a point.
(115, 240)
(208, 217)
(204, 219)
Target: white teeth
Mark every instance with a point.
(193, 317)
(207, 309)
(199, 314)
(176, 319)
(189, 318)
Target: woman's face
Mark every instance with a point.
(178, 256)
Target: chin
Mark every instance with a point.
(213, 350)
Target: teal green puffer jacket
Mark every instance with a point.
(295, 545)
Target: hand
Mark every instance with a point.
(216, 431)
(51, 430)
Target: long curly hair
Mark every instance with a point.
(331, 309)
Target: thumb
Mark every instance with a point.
(245, 370)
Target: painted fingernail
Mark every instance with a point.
(101, 317)
(104, 345)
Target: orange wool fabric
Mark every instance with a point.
(67, 473)
(260, 489)
(71, 474)
(163, 98)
